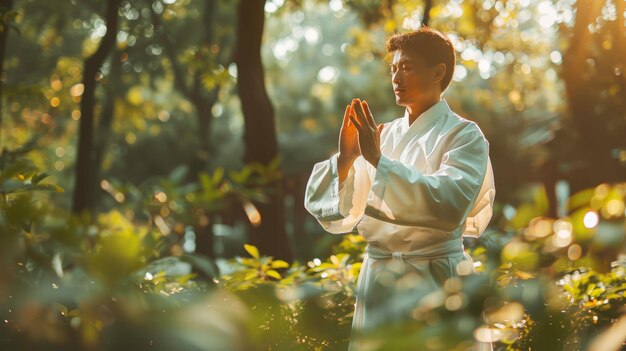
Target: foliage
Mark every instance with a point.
(535, 293)
(91, 282)
(67, 282)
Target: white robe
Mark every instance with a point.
(433, 184)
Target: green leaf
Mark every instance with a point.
(185, 278)
(178, 174)
(596, 292)
(541, 200)
(13, 188)
(50, 187)
(579, 199)
(39, 177)
(275, 163)
(279, 264)
(272, 273)
(218, 175)
(250, 275)
(252, 250)
(250, 262)
(590, 288)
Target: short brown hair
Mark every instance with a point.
(433, 46)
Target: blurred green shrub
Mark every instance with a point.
(113, 282)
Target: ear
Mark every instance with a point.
(439, 71)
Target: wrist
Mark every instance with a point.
(345, 160)
(377, 160)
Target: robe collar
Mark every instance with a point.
(428, 117)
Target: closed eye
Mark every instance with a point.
(402, 67)
(403, 64)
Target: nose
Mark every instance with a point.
(395, 78)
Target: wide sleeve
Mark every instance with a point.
(482, 211)
(337, 210)
(404, 195)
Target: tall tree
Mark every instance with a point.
(86, 183)
(261, 144)
(113, 90)
(595, 89)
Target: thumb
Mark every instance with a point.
(380, 128)
(346, 117)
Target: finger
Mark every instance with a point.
(369, 115)
(366, 129)
(358, 112)
(350, 113)
(346, 116)
(365, 118)
(358, 108)
(356, 124)
(380, 128)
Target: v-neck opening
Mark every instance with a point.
(427, 118)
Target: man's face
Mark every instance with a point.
(412, 79)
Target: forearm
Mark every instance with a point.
(343, 168)
(439, 200)
(337, 212)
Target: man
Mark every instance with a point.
(412, 187)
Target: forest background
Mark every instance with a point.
(155, 154)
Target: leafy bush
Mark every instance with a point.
(113, 282)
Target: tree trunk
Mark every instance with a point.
(595, 140)
(101, 138)
(5, 6)
(203, 105)
(428, 5)
(85, 183)
(204, 233)
(202, 101)
(260, 135)
(575, 76)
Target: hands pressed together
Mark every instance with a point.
(359, 135)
